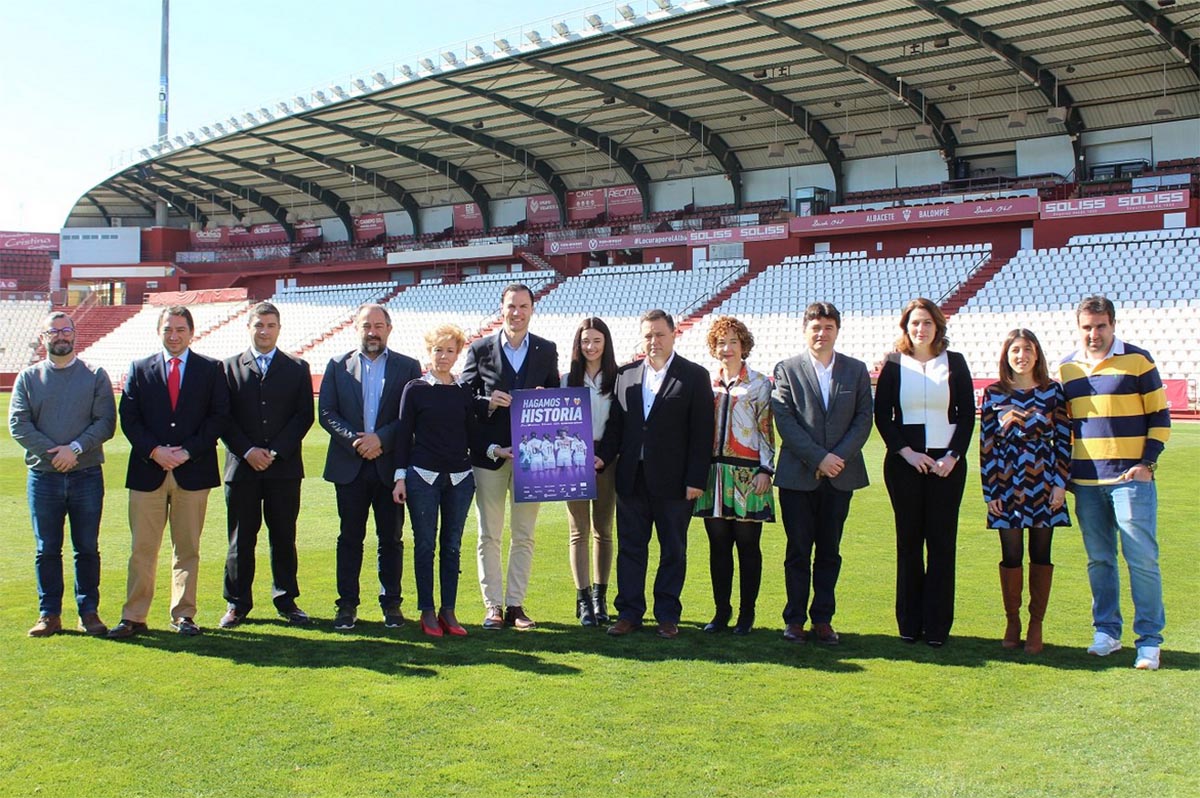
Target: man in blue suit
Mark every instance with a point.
(661, 425)
(174, 406)
(359, 407)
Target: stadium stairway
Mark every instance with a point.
(536, 261)
(973, 284)
(728, 290)
(94, 322)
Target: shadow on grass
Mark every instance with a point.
(545, 651)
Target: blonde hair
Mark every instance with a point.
(443, 333)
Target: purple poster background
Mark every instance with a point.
(552, 445)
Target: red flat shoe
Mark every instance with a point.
(432, 631)
(456, 630)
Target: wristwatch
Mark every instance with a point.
(1152, 466)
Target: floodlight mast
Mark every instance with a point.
(160, 207)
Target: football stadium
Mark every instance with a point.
(707, 158)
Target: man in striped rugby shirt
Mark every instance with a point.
(1120, 424)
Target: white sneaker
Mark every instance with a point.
(1104, 644)
(1147, 658)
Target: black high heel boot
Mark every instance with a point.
(600, 603)
(745, 622)
(720, 620)
(583, 607)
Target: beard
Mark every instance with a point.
(372, 345)
(60, 348)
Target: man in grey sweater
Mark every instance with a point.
(62, 411)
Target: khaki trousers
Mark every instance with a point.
(593, 519)
(149, 513)
(493, 490)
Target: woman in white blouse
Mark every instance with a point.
(925, 412)
(593, 366)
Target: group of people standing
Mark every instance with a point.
(671, 440)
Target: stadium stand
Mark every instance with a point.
(619, 295)
(19, 322)
(868, 292)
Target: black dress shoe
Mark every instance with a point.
(719, 622)
(232, 617)
(185, 626)
(126, 629)
(295, 616)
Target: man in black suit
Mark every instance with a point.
(359, 407)
(174, 406)
(661, 425)
(822, 408)
(495, 366)
(270, 394)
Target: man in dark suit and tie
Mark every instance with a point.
(359, 406)
(174, 406)
(270, 395)
(496, 365)
(661, 425)
(822, 408)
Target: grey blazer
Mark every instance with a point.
(807, 431)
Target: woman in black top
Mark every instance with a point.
(433, 475)
(925, 412)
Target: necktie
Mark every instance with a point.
(173, 382)
(263, 362)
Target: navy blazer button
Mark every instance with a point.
(172, 423)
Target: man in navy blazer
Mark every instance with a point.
(174, 406)
(359, 406)
(270, 394)
(496, 365)
(822, 408)
(661, 425)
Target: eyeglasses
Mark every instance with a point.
(62, 331)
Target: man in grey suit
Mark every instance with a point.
(822, 407)
(359, 406)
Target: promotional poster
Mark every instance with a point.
(552, 445)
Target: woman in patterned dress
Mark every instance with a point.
(737, 497)
(1024, 454)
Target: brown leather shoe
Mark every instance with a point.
(668, 630)
(232, 617)
(90, 623)
(825, 634)
(623, 627)
(516, 618)
(795, 633)
(46, 625)
(126, 629)
(494, 619)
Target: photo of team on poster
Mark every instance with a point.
(552, 445)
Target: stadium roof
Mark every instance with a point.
(703, 88)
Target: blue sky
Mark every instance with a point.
(81, 76)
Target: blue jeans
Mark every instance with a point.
(53, 498)
(1128, 510)
(424, 502)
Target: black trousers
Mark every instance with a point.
(812, 518)
(926, 510)
(637, 515)
(355, 501)
(248, 503)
